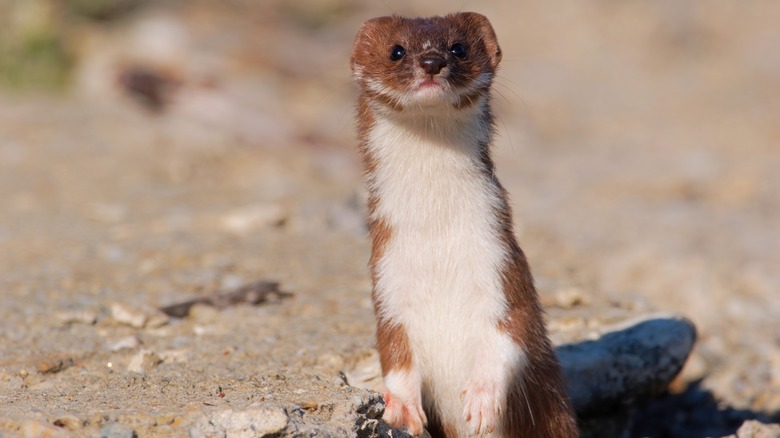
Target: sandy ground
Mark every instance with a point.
(640, 144)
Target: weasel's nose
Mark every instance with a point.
(432, 64)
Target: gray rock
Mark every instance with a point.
(622, 367)
(258, 421)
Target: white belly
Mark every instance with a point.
(440, 271)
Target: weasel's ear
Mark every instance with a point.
(479, 24)
(370, 33)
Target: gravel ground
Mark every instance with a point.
(639, 142)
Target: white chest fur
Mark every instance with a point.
(440, 272)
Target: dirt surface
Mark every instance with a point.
(640, 144)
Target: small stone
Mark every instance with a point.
(128, 342)
(138, 318)
(251, 218)
(756, 429)
(69, 422)
(127, 315)
(570, 297)
(81, 316)
(53, 364)
(309, 405)
(258, 421)
(144, 361)
(34, 429)
(116, 430)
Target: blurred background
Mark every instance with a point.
(164, 147)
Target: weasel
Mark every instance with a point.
(460, 331)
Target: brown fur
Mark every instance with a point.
(537, 404)
(393, 345)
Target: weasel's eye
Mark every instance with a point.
(458, 50)
(397, 53)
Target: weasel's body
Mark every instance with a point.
(459, 329)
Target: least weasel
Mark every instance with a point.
(460, 331)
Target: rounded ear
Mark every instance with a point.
(480, 24)
(366, 35)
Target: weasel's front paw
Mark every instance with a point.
(406, 414)
(482, 403)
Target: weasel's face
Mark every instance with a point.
(420, 62)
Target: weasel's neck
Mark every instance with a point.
(391, 137)
(430, 166)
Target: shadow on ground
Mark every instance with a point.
(695, 413)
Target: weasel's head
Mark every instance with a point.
(422, 62)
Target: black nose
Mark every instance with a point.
(432, 64)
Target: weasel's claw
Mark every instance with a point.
(404, 414)
(481, 407)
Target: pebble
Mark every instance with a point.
(144, 361)
(53, 364)
(81, 316)
(69, 422)
(137, 318)
(127, 315)
(258, 421)
(253, 217)
(129, 342)
(117, 430)
(570, 297)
